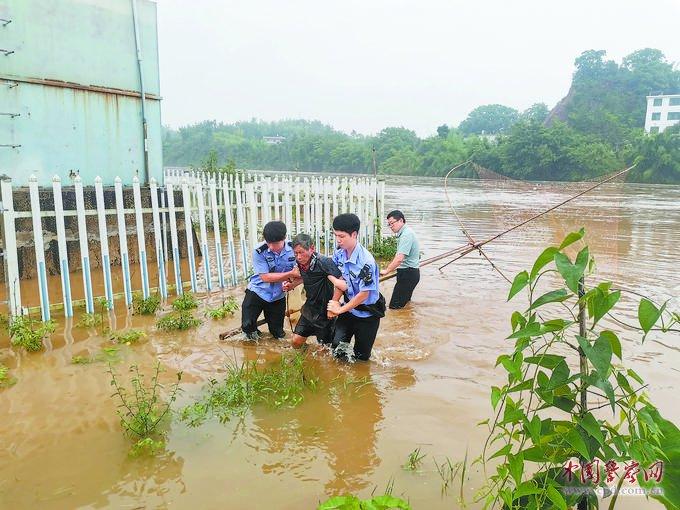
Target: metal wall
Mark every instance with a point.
(69, 89)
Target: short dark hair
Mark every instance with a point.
(397, 215)
(347, 222)
(274, 231)
(303, 240)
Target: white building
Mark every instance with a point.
(662, 111)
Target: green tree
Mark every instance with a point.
(489, 119)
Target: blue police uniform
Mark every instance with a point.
(267, 297)
(361, 273)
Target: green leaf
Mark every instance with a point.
(599, 353)
(385, 502)
(524, 385)
(576, 442)
(648, 315)
(520, 281)
(555, 296)
(531, 329)
(592, 427)
(534, 429)
(516, 466)
(526, 489)
(635, 376)
(544, 258)
(602, 302)
(565, 404)
(557, 498)
(341, 503)
(549, 361)
(502, 452)
(495, 396)
(560, 375)
(517, 319)
(598, 381)
(572, 237)
(572, 273)
(614, 342)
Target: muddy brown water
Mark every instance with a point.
(427, 386)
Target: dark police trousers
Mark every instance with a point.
(407, 279)
(364, 330)
(274, 313)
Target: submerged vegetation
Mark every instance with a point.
(29, 333)
(128, 336)
(247, 384)
(6, 380)
(178, 321)
(228, 307)
(143, 409)
(148, 306)
(185, 302)
(550, 415)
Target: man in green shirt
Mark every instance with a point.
(406, 261)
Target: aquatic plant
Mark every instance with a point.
(550, 420)
(414, 460)
(385, 502)
(185, 302)
(229, 306)
(148, 306)
(247, 384)
(142, 410)
(107, 355)
(89, 320)
(128, 336)
(29, 333)
(6, 380)
(179, 321)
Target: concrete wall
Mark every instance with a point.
(73, 84)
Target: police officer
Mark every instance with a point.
(359, 316)
(320, 276)
(273, 262)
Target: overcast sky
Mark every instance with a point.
(365, 65)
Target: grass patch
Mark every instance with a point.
(148, 306)
(179, 321)
(29, 333)
(143, 410)
(247, 384)
(229, 306)
(129, 336)
(185, 302)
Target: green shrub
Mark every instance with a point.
(185, 302)
(143, 411)
(384, 248)
(229, 306)
(29, 333)
(89, 320)
(148, 306)
(179, 321)
(6, 380)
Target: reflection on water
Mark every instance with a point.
(60, 442)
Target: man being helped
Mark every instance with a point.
(320, 276)
(359, 316)
(406, 261)
(273, 264)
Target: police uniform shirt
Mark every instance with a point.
(267, 261)
(361, 274)
(318, 288)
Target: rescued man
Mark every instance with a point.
(406, 261)
(359, 316)
(273, 263)
(320, 277)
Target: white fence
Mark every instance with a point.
(227, 211)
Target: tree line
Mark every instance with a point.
(596, 129)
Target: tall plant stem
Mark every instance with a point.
(583, 368)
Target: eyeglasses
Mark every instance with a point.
(390, 223)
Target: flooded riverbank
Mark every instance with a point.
(427, 386)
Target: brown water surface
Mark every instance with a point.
(428, 384)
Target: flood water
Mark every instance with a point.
(427, 386)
